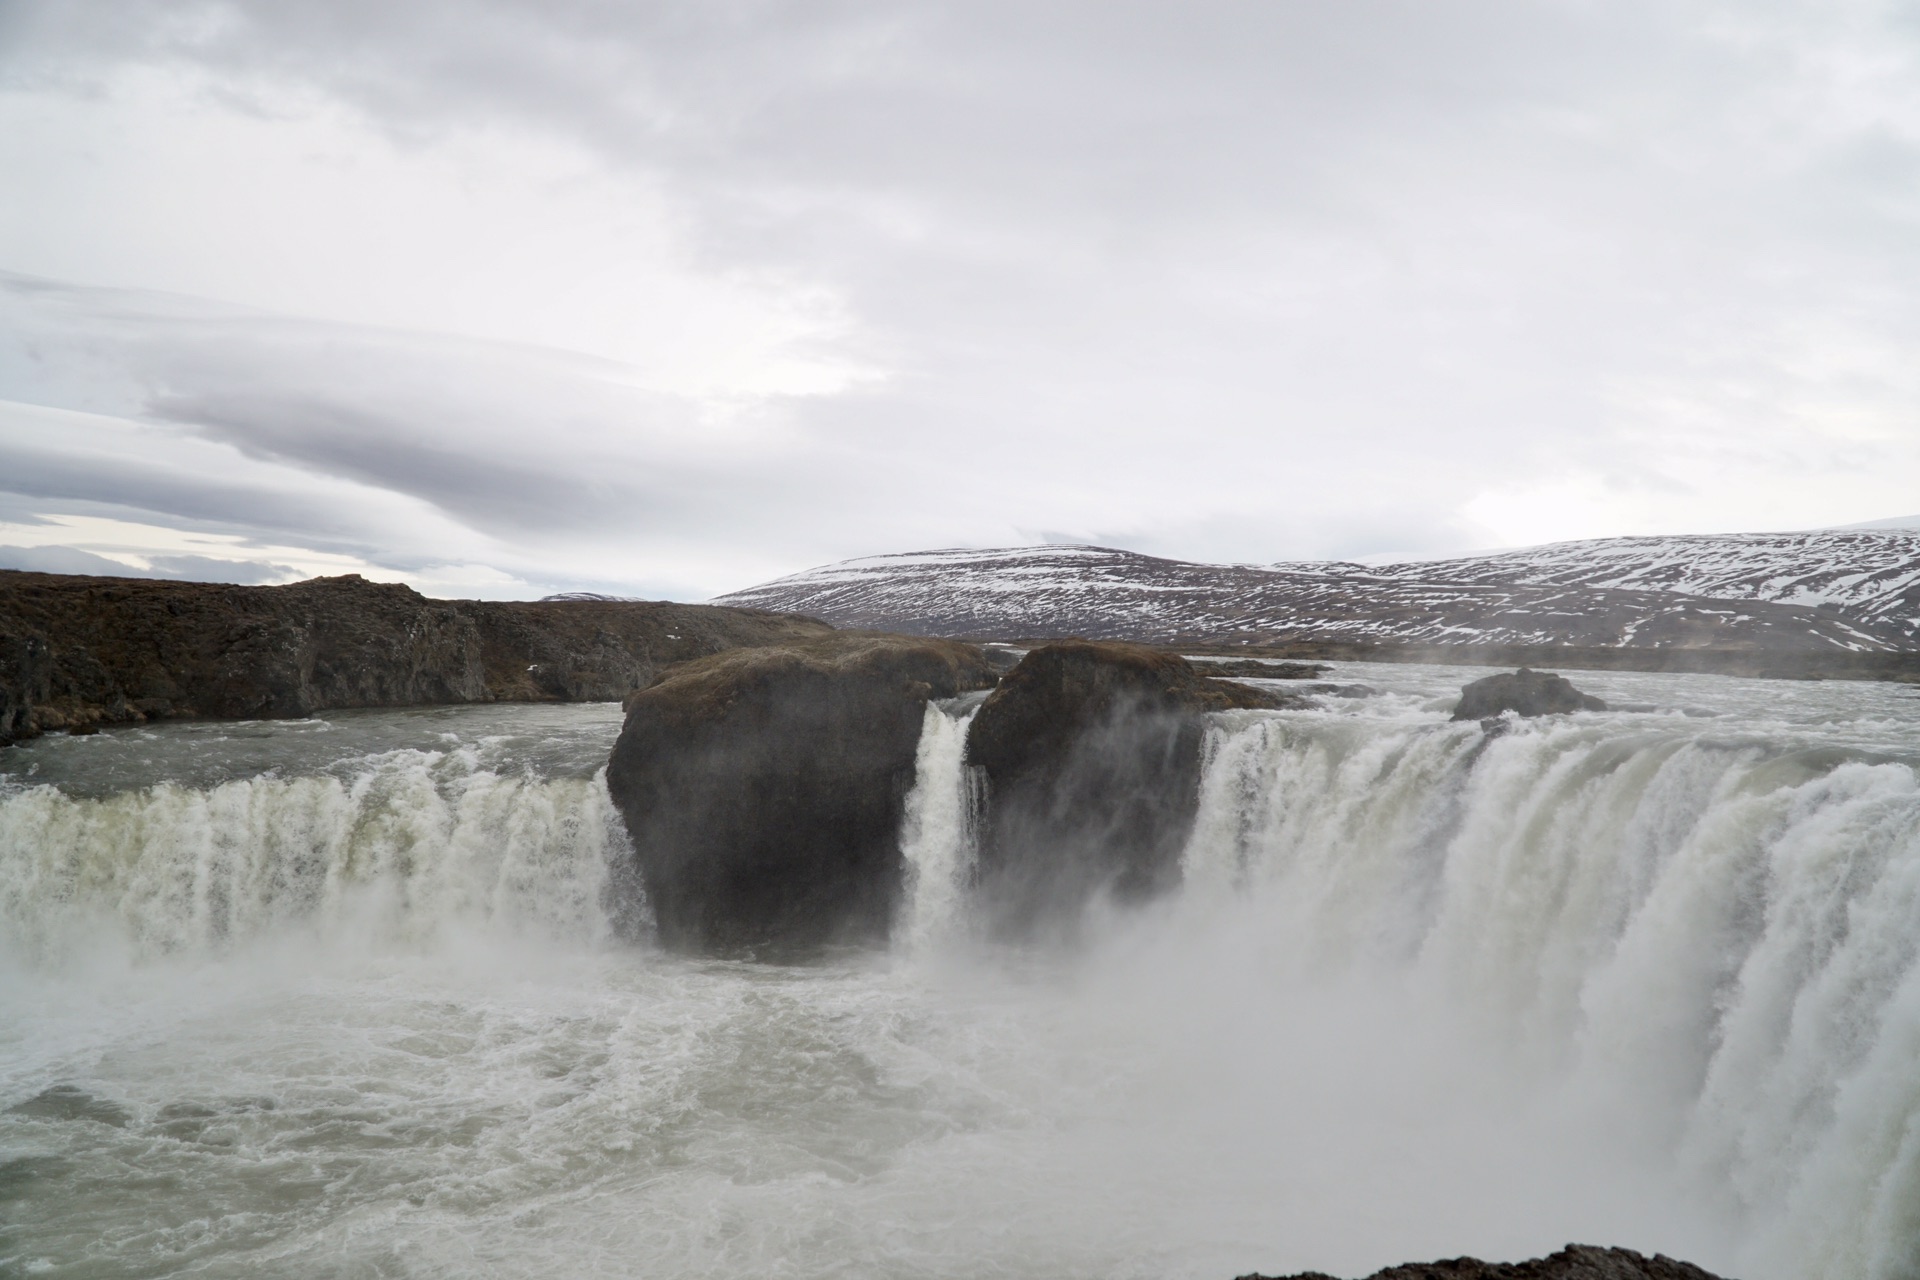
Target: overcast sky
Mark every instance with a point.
(502, 298)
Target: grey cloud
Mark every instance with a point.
(72, 560)
(208, 569)
(1247, 280)
(547, 483)
(68, 560)
(127, 486)
(502, 491)
(529, 447)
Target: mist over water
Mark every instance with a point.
(342, 997)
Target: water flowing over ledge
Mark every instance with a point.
(1717, 933)
(392, 851)
(1424, 990)
(1721, 933)
(941, 827)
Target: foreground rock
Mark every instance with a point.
(764, 788)
(1575, 1262)
(1092, 757)
(79, 652)
(1524, 692)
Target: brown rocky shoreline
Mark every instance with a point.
(80, 653)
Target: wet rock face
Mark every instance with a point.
(26, 672)
(1524, 692)
(1092, 757)
(764, 788)
(1575, 1262)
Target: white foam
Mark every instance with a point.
(938, 833)
(411, 843)
(1635, 978)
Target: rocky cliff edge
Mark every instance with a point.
(78, 653)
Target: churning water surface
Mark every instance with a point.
(341, 997)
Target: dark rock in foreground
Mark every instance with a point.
(1575, 1262)
(77, 652)
(764, 788)
(1092, 757)
(1523, 692)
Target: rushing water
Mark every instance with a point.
(341, 997)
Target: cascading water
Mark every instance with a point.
(401, 846)
(937, 834)
(343, 998)
(1719, 932)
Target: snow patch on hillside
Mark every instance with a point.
(1825, 589)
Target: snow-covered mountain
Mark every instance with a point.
(1852, 590)
(1869, 575)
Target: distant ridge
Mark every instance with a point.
(1868, 574)
(1831, 591)
(1894, 522)
(590, 595)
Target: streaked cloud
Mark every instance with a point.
(668, 298)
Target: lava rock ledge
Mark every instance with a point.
(78, 653)
(1525, 693)
(1092, 757)
(764, 788)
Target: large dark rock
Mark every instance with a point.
(764, 788)
(1524, 692)
(602, 650)
(76, 652)
(1575, 1262)
(26, 671)
(1091, 752)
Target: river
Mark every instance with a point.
(344, 997)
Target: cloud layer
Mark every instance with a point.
(671, 298)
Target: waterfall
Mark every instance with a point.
(394, 848)
(1719, 933)
(938, 829)
(1699, 937)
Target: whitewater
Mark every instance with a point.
(353, 996)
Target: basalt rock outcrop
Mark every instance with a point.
(80, 652)
(1575, 1262)
(26, 672)
(602, 650)
(1525, 693)
(1091, 752)
(763, 788)
(1255, 669)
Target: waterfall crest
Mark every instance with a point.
(1705, 932)
(393, 849)
(1719, 933)
(938, 831)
